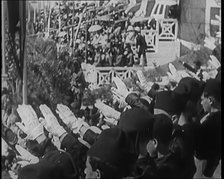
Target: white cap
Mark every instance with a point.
(130, 28)
(137, 29)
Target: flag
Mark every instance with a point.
(17, 23)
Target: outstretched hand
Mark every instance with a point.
(143, 84)
(26, 158)
(209, 43)
(107, 111)
(173, 74)
(214, 62)
(50, 122)
(121, 89)
(66, 115)
(30, 123)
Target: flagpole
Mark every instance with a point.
(23, 49)
(73, 12)
(86, 34)
(24, 79)
(3, 39)
(4, 75)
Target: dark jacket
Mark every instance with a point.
(53, 163)
(140, 41)
(178, 163)
(129, 59)
(77, 150)
(120, 61)
(169, 166)
(209, 137)
(183, 143)
(209, 143)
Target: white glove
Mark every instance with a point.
(95, 129)
(214, 62)
(212, 74)
(146, 86)
(111, 120)
(119, 99)
(209, 43)
(183, 74)
(218, 34)
(206, 76)
(173, 74)
(193, 75)
(78, 125)
(218, 17)
(66, 115)
(107, 111)
(84, 142)
(50, 122)
(30, 123)
(121, 89)
(26, 157)
(105, 127)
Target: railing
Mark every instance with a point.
(167, 29)
(104, 75)
(151, 38)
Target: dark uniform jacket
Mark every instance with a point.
(183, 143)
(209, 137)
(169, 166)
(53, 162)
(140, 41)
(178, 163)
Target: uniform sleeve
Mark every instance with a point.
(41, 149)
(70, 144)
(77, 150)
(90, 137)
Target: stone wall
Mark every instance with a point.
(195, 21)
(192, 20)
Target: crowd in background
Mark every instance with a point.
(114, 43)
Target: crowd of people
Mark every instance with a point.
(162, 131)
(115, 42)
(161, 134)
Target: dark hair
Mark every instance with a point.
(146, 104)
(145, 135)
(162, 128)
(213, 88)
(106, 170)
(190, 110)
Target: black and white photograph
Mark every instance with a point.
(111, 89)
